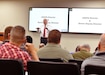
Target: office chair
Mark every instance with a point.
(94, 70)
(52, 68)
(52, 59)
(79, 62)
(11, 67)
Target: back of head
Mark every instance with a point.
(54, 36)
(85, 47)
(29, 39)
(17, 34)
(6, 32)
(102, 42)
(77, 48)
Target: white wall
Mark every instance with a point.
(16, 13)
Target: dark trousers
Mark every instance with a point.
(43, 40)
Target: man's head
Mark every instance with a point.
(85, 47)
(7, 32)
(17, 35)
(101, 45)
(54, 36)
(45, 21)
(29, 39)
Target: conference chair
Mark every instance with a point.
(52, 59)
(94, 70)
(79, 62)
(52, 68)
(11, 67)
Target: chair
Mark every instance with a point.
(79, 62)
(11, 67)
(52, 59)
(94, 70)
(52, 68)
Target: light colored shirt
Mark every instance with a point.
(48, 28)
(54, 51)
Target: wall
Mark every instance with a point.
(15, 12)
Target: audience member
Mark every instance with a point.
(99, 57)
(83, 53)
(77, 48)
(11, 49)
(53, 48)
(6, 34)
(28, 40)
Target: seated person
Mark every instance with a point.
(77, 48)
(11, 49)
(28, 40)
(83, 53)
(53, 48)
(99, 58)
(6, 34)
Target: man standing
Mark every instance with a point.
(44, 31)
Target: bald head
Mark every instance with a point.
(45, 21)
(102, 38)
(102, 42)
(85, 47)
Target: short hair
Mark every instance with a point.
(85, 46)
(17, 33)
(7, 31)
(77, 48)
(29, 39)
(54, 36)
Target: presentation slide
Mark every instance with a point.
(57, 18)
(87, 20)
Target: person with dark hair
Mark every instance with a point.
(53, 48)
(77, 48)
(29, 39)
(11, 49)
(6, 34)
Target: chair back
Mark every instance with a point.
(79, 62)
(11, 67)
(52, 68)
(52, 59)
(94, 70)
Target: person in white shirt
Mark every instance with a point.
(44, 31)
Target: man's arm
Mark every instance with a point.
(32, 50)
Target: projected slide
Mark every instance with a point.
(87, 20)
(57, 18)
